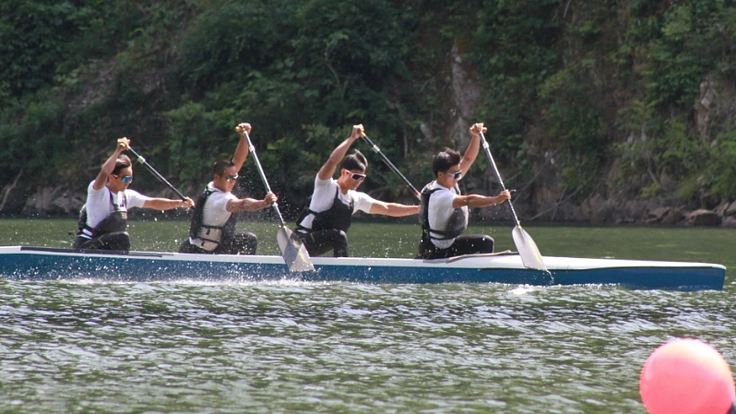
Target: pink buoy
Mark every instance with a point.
(686, 376)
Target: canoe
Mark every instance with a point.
(40, 263)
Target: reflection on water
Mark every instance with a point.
(193, 346)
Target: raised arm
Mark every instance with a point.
(109, 165)
(472, 152)
(328, 169)
(241, 151)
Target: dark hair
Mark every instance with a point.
(354, 161)
(122, 162)
(220, 166)
(444, 160)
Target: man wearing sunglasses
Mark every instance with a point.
(444, 211)
(103, 219)
(212, 230)
(323, 226)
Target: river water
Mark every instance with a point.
(97, 346)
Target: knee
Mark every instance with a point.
(480, 243)
(341, 244)
(119, 240)
(249, 239)
(480, 238)
(246, 243)
(488, 243)
(341, 235)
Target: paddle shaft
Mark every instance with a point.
(487, 150)
(528, 250)
(155, 173)
(263, 178)
(391, 166)
(294, 253)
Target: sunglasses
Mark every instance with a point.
(231, 178)
(127, 179)
(457, 175)
(357, 177)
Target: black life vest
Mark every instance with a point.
(455, 226)
(115, 222)
(204, 232)
(339, 216)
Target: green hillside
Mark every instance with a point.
(628, 99)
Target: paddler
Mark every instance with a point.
(212, 230)
(104, 217)
(444, 210)
(323, 226)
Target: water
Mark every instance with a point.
(94, 346)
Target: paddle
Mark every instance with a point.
(156, 174)
(391, 166)
(528, 250)
(294, 253)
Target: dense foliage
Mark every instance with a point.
(635, 89)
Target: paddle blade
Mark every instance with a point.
(294, 253)
(528, 250)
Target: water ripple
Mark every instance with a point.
(338, 347)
